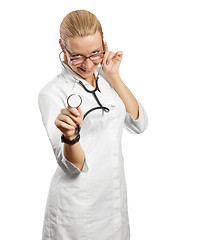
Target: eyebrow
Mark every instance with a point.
(74, 53)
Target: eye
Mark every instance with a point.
(96, 52)
(76, 56)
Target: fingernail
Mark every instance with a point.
(77, 114)
(107, 62)
(73, 128)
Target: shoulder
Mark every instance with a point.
(55, 92)
(51, 86)
(59, 86)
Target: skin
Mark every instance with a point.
(85, 46)
(68, 118)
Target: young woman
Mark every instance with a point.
(87, 198)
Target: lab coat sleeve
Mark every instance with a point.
(50, 106)
(139, 125)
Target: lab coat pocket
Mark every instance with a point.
(73, 196)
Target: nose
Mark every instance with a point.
(88, 64)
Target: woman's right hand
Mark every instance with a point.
(67, 121)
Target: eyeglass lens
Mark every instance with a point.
(80, 60)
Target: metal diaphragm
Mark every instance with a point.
(74, 100)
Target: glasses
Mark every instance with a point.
(79, 60)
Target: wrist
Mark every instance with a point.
(113, 76)
(71, 137)
(69, 140)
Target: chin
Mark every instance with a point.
(86, 73)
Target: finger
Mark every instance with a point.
(80, 111)
(74, 111)
(106, 53)
(109, 58)
(106, 49)
(67, 119)
(63, 125)
(67, 112)
(118, 55)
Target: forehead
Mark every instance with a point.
(84, 45)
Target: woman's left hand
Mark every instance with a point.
(111, 61)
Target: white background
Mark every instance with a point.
(161, 66)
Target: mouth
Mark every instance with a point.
(86, 70)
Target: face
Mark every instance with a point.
(84, 46)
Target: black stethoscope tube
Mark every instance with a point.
(95, 96)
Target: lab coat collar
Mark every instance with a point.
(71, 76)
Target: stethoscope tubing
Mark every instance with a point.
(89, 91)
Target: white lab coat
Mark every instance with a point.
(90, 204)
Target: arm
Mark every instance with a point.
(50, 106)
(136, 120)
(74, 153)
(67, 122)
(124, 93)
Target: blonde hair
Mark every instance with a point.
(79, 23)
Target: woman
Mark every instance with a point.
(87, 198)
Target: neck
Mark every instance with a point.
(91, 80)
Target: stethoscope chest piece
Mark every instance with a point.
(74, 100)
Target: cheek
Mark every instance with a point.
(72, 67)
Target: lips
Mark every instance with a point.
(86, 70)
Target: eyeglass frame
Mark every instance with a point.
(82, 56)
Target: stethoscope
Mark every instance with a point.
(75, 100)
